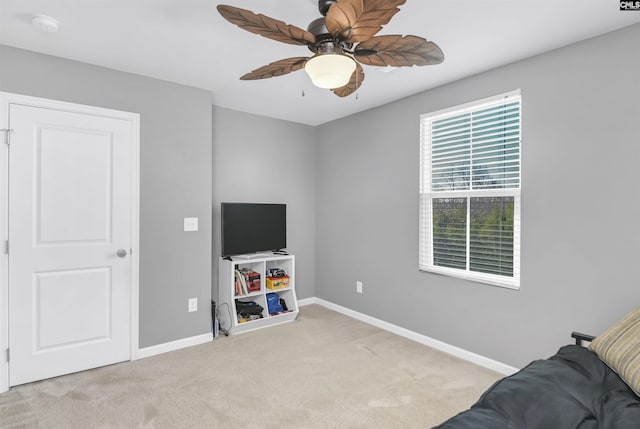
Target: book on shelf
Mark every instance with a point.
(240, 284)
(247, 281)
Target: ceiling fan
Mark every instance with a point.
(341, 40)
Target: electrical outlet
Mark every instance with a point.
(193, 305)
(359, 286)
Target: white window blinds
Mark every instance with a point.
(470, 191)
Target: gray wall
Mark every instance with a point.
(580, 207)
(175, 179)
(351, 187)
(263, 160)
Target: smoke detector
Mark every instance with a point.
(45, 23)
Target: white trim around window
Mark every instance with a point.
(470, 182)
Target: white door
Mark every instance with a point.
(70, 237)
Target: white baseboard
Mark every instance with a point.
(172, 346)
(414, 336)
(307, 301)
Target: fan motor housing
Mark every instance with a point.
(324, 39)
(318, 28)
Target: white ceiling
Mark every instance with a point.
(188, 42)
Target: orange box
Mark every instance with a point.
(276, 283)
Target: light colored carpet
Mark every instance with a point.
(324, 370)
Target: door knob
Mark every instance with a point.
(121, 253)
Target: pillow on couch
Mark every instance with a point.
(619, 348)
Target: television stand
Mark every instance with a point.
(229, 294)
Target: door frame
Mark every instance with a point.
(7, 99)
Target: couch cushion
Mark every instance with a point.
(619, 348)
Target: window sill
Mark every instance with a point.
(489, 279)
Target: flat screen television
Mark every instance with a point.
(253, 228)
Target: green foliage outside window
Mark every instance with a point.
(490, 234)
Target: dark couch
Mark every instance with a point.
(572, 389)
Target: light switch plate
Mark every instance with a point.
(190, 223)
(193, 305)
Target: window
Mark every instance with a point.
(470, 191)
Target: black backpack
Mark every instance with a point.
(248, 308)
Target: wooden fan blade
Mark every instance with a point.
(398, 51)
(359, 20)
(265, 26)
(354, 83)
(277, 68)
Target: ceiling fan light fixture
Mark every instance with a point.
(331, 70)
